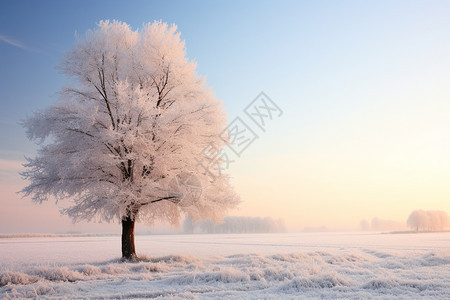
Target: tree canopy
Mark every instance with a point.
(134, 118)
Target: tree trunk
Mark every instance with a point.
(128, 249)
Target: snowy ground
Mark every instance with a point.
(253, 266)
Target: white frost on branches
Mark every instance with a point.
(135, 116)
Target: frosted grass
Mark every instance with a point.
(255, 266)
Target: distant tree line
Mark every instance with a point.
(235, 225)
(428, 220)
(378, 224)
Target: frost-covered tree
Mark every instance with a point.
(428, 220)
(126, 136)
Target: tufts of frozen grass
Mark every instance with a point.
(15, 278)
(329, 273)
(326, 281)
(315, 274)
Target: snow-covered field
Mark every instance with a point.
(244, 266)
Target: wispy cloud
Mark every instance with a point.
(11, 165)
(12, 42)
(9, 172)
(16, 43)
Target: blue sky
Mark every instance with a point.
(364, 86)
(290, 49)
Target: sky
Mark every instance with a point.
(363, 86)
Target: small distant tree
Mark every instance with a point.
(442, 219)
(414, 220)
(129, 128)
